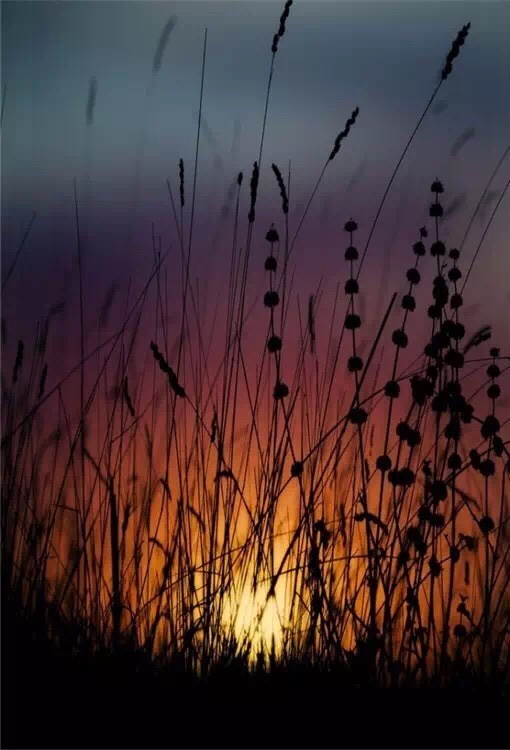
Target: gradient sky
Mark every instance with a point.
(383, 57)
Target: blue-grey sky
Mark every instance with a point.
(384, 57)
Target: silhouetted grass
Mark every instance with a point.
(160, 556)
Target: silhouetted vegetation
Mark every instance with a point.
(184, 542)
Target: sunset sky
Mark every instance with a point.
(383, 57)
(254, 470)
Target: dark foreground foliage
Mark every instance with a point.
(51, 699)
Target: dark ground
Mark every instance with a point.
(51, 701)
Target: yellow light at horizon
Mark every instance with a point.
(256, 619)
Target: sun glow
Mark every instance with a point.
(256, 619)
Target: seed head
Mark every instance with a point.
(435, 567)
(454, 554)
(271, 299)
(454, 51)
(274, 344)
(42, 382)
(456, 301)
(352, 321)
(358, 416)
(283, 191)
(392, 389)
(493, 371)
(454, 359)
(254, 182)
(486, 524)
(281, 391)
(454, 274)
(408, 302)
(383, 463)
(413, 276)
(343, 134)
(296, 469)
(487, 468)
(454, 462)
(350, 226)
(272, 235)
(18, 364)
(351, 253)
(437, 248)
(165, 367)
(281, 28)
(181, 181)
(355, 364)
(399, 338)
(351, 286)
(494, 391)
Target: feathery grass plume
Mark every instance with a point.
(42, 339)
(486, 197)
(4, 97)
(57, 309)
(454, 51)
(148, 441)
(461, 141)
(91, 101)
(104, 313)
(254, 183)
(165, 367)
(18, 364)
(483, 334)
(165, 485)
(127, 397)
(459, 41)
(440, 107)
(486, 202)
(240, 179)
(454, 206)
(211, 138)
(181, 181)
(274, 48)
(344, 133)
(231, 192)
(18, 253)
(224, 474)
(128, 510)
(214, 426)
(283, 191)
(372, 518)
(116, 602)
(478, 248)
(356, 177)
(42, 382)
(196, 515)
(311, 323)
(281, 28)
(114, 392)
(163, 41)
